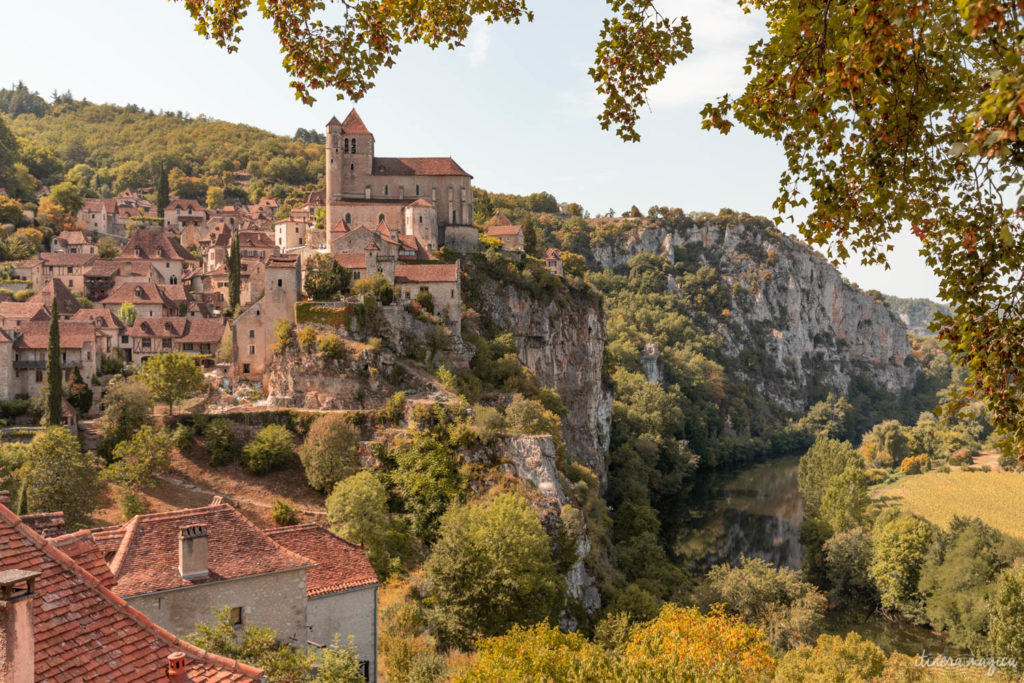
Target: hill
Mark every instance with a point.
(106, 148)
(916, 314)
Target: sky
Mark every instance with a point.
(514, 106)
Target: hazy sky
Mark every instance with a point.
(515, 107)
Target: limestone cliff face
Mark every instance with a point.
(790, 310)
(561, 339)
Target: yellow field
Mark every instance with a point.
(997, 498)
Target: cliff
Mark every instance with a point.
(794, 328)
(560, 336)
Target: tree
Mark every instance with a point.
(377, 286)
(127, 313)
(53, 215)
(357, 510)
(214, 197)
(54, 373)
(172, 377)
(271, 449)
(901, 545)
(67, 196)
(1006, 628)
(845, 502)
(789, 611)
(10, 210)
(78, 392)
(856, 658)
(427, 475)
(819, 466)
(848, 556)
(163, 192)
(139, 458)
(325, 278)
(886, 445)
(127, 405)
(60, 476)
(491, 568)
(541, 652)
(636, 46)
(330, 452)
(234, 274)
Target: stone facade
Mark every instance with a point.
(348, 612)
(253, 329)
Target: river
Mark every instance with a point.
(756, 512)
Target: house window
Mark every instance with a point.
(235, 616)
(252, 334)
(353, 145)
(417, 190)
(39, 375)
(245, 368)
(167, 343)
(252, 350)
(453, 216)
(124, 338)
(364, 668)
(186, 347)
(280, 283)
(348, 219)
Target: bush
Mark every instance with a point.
(111, 365)
(283, 333)
(526, 416)
(426, 301)
(377, 286)
(15, 407)
(963, 456)
(915, 464)
(330, 452)
(221, 441)
(130, 504)
(330, 345)
(1009, 462)
(306, 337)
(283, 513)
(393, 411)
(183, 437)
(488, 423)
(270, 450)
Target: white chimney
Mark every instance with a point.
(17, 637)
(193, 562)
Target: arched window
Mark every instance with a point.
(453, 216)
(348, 219)
(380, 219)
(346, 145)
(353, 145)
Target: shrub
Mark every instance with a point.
(283, 513)
(426, 301)
(393, 411)
(963, 456)
(306, 337)
(221, 441)
(127, 406)
(183, 437)
(330, 345)
(378, 287)
(131, 503)
(283, 333)
(1009, 462)
(330, 452)
(111, 365)
(488, 423)
(915, 464)
(271, 449)
(526, 416)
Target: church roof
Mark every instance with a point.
(426, 166)
(353, 125)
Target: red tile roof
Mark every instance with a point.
(504, 230)
(22, 310)
(35, 335)
(154, 244)
(147, 559)
(83, 549)
(67, 304)
(138, 293)
(73, 237)
(426, 272)
(63, 258)
(83, 632)
(46, 524)
(100, 317)
(353, 124)
(350, 261)
(184, 329)
(340, 564)
(499, 218)
(426, 166)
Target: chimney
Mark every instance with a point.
(176, 667)
(5, 498)
(17, 639)
(192, 546)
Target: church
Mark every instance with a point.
(429, 198)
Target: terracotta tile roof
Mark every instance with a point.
(138, 293)
(184, 329)
(83, 632)
(350, 261)
(67, 304)
(427, 166)
(499, 218)
(504, 230)
(340, 564)
(46, 524)
(23, 310)
(147, 559)
(353, 124)
(63, 258)
(552, 254)
(282, 261)
(83, 549)
(35, 335)
(428, 272)
(100, 317)
(98, 205)
(154, 244)
(316, 198)
(175, 293)
(185, 205)
(423, 202)
(73, 237)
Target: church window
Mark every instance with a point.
(353, 145)
(346, 145)
(421, 219)
(385, 190)
(352, 167)
(380, 219)
(348, 218)
(417, 190)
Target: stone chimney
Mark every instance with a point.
(176, 667)
(17, 638)
(193, 562)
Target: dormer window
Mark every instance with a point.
(138, 252)
(138, 291)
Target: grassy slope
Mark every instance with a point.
(993, 497)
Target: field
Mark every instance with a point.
(994, 497)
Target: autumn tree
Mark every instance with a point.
(172, 377)
(330, 452)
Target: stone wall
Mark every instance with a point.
(352, 612)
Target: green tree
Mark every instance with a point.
(901, 546)
(214, 197)
(234, 274)
(325, 278)
(67, 196)
(10, 210)
(490, 569)
(54, 373)
(138, 459)
(819, 466)
(427, 475)
(78, 392)
(109, 248)
(833, 658)
(60, 476)
(271, 449)
(127, 313)
(172, 377)
(127, 405)
(376, 286)
(357, 510)
(163, 192)
(789, 610)
(845, 502)
(848, 556)
(1006, 628)
(540, 652)
(330, 452)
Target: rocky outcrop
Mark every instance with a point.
(794, 327)
(561, 339)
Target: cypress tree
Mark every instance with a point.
(54, 376)
(163, 192)
(234, 274)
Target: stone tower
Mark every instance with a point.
(349, 163)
